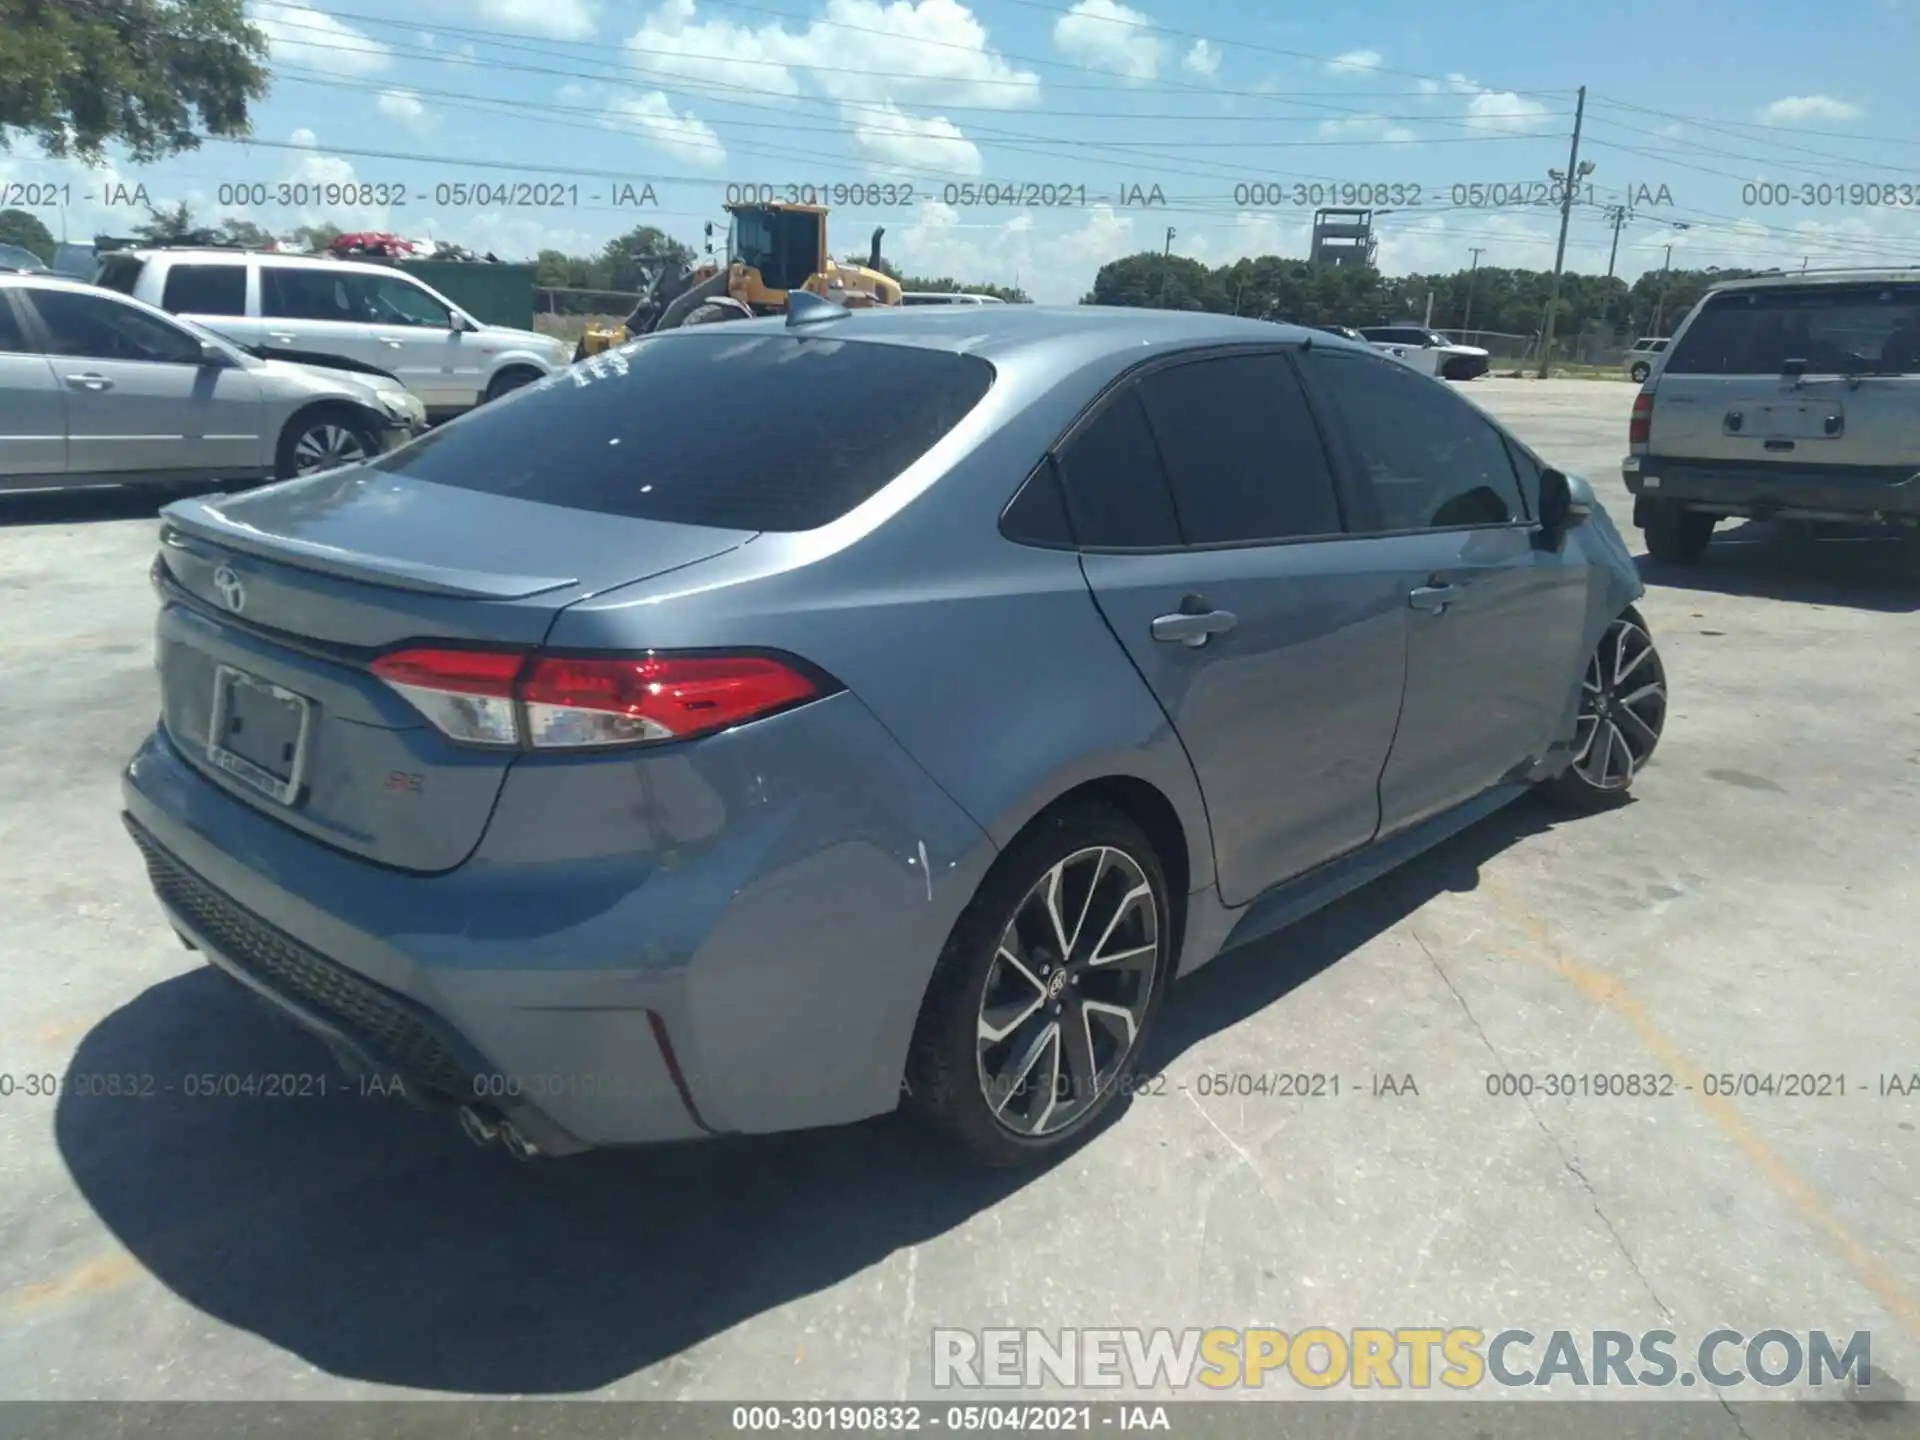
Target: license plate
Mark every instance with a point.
(260, 733)
(1798, 422)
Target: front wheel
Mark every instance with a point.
(711, 314)
(1623, 712)
(324, 439)
(1043, 996)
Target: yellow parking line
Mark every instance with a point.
(105, 1272)
(1608, 990)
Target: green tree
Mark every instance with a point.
(23, 228)
(234, 231)
(163, 227)
(79, 74)
(316, 237)
(624, 260)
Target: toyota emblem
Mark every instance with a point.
(230, 588)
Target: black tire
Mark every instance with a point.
(1640, 371)
(305, 431)
(947, 1082)
(508, 381)
(711, 314)
(580, 350)
(1675, 534)
(1622, 716)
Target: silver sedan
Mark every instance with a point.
(101, 389)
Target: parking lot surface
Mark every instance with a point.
(1753, 909)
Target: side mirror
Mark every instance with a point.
(1565, 501)
(460, 324)
(213, 357)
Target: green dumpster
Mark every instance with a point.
(495, 294)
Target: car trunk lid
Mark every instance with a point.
(275, 602)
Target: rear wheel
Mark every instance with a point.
(1044, 994)
(1640, 370)
(1675, 534)
(1623, 712)
(508, 381)
(324, 439)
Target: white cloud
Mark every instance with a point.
(405, 106)
(561, 19)
(1429, 87)
(1106, 35)
(1798, 109)
(304, 138)
(1055, 264)
(1354, 62)
(1365, 127)
(1202, 59)
(301, 35)
(1500, 111)
(677, 132)
(929, 53)
(892, 141)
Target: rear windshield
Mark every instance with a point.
(119, 272)
(747, 432)
(1833, 328)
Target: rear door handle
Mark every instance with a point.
(1432, 598)
(392, 342)
(282, 337)
(1193, 630)
(90, 382)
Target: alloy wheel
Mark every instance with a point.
(325, 446)
(1067, 991)
(1623, 707)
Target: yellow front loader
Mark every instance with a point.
(772, 250)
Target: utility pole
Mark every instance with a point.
(1169, 249)
(1619, 214)
(1472, 270)
(1575, 173)
(1660, 305)
(1166, 271)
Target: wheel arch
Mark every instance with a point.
(533, 373)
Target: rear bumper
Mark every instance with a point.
(1865, 495)
(766, 979)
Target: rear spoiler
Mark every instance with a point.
(185, 520)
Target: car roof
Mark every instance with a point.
(216, 254)
(1796, 279)
(1083, 332)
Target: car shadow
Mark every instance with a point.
(1758, 559)
(376, 1243)
(91, 505)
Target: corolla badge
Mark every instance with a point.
(230, 588)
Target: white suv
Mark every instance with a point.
(316, 310)
(1429, 350)
(1638, 362)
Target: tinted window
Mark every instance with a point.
(391, 300)
(119, 272)
(12, 340)
(1434, 461)
(300, 294)
(1116, 492)
(206, 290)
(710, 428)
(1241, 451)
(101, 329)
(1834, 328)
(1038, 514)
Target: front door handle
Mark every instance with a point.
(282, 337)
(392, 342)
(1193, 629)
(90, 382)
(1432, 598)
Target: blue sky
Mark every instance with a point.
(1217, 120)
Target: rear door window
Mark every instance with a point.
(1241, 451)
(710, 427)
(206, 290)
(1115, 488)
(1834, 329)
(290, 293)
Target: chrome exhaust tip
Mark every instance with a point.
(518, 1146)
(477, 1128)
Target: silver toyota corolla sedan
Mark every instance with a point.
(762, 726)
(100, 389)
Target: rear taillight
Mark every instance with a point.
(557, 702)
(1640, 424)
